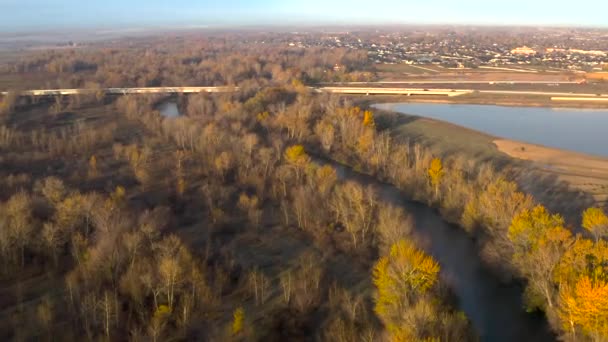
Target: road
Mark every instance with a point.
(124, 91)
(511, 82)
(337, 90)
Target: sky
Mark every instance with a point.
(28, 15)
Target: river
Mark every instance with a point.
(580, 130)
(494, 308)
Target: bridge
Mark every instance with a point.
(126, 91)
(392, 91)
(448, 92)
(192, 90)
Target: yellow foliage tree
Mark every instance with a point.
(539, 242)
(585, 306)
(583, 257)
(530, 226)
(368, 119)
(401, 278)
(296, 155)
(596, 222)
(262, 116)
(238, 320)
(436, 173)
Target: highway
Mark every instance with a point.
(125, 91)
(450, 92)
(511, 82)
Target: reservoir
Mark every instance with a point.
(579, 130)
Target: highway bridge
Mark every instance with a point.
(125, 91)
(448, 92)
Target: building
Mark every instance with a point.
(524, 50)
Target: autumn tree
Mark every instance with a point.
(297, 157)
(17, 228)
(354, 207)
(436, 173)
(259, 284)
(53, 189)
(401, 279)
(583, 307)
(326, 133)
(393, 225)
(7, 103)
(238, 320)
(92, 172)
(596, 222)
(223, 163)
(539, 241)
(368, 119)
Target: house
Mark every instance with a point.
(524, 50)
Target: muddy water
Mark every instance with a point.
(494, 308)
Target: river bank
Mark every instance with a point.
(478, 289)
(566, 182)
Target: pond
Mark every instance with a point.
(580, 130)
(169, 109)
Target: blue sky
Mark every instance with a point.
(16, 15)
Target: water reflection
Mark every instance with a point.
(169, 109)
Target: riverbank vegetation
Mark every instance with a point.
(117, 223)
(230, 222)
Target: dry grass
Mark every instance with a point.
(580, 171)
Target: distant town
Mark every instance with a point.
(557, 49)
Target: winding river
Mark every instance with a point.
(494, 308)
(580, 130)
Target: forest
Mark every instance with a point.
(232, 222)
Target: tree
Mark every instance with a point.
(596, 222)
(585, 306)
(392, 225)
(18, 221)
(354, 207)
(436, 174)
(170, 272)
(539, 241)
(53, 189)
(326, 178)
(326, 133)
(238, 320)
(223, 164)
(93, 167)
(297, 157)
(402, 278)
(259, 285)
(8, 103)
(368, 119)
